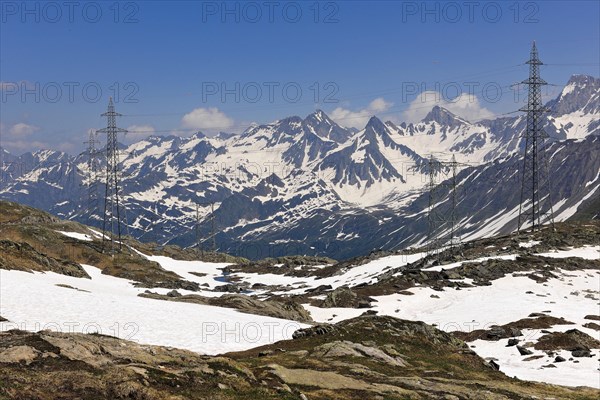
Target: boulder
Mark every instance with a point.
(524, 351)
(313, 331)
(320, 288)
(350, 349)
(494, 365)
(346, 298)
(570, 340)
(581, 353)
(229, 288)
(341, 297)
(18, 354)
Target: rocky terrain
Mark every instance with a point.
(286, 309)
(31, 240)
(480, 261)
(496, 312)
(366, 357)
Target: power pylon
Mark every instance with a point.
(111, 226)
(535, 183)
(442, 221)
(92, 174)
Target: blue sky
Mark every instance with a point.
(170, 62)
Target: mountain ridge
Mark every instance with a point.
(335, 181)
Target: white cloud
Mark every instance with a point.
(466, 106)
(379, 105)
(358, 119)
(15, 138)
(21, 130)
(22, 137)
(207, 118)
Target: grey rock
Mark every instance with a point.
(581, 353)
(523, 351)
(494, 365)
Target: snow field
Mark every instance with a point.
(110, 305)
(506, 300)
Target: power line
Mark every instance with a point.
(494, 71)
(573, 65)
(364, 94)
(364, 114)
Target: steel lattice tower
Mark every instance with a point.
(111, 226)
(535, 184)
(442, 223)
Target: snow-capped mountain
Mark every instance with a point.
(309, 185)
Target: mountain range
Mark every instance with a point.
(311, 186)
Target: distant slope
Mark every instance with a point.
(310, 186)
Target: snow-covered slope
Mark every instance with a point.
(111, 306)
(473, 308)
(37, 302)
(311, 186)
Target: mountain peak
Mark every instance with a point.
(576, 96)
(326, 128)
(289, 124)
(198, 135)
(320, 113)
(225, 135)
(376, 124)
(442, 116)
(580, 83)
(318, 117)
(438, 114)
(582, 80)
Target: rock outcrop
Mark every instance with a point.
(365, 357)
